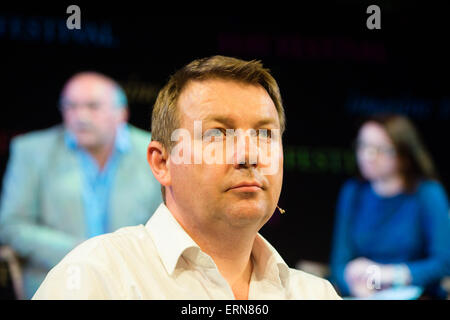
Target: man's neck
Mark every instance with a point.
(101, 155)
(229, 248)
(233, 259)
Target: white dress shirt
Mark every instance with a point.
(161, 261)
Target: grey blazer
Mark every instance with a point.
(41, 209)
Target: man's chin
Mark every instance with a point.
(87, 142)
(249, 211)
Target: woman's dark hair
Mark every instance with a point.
(415, 162)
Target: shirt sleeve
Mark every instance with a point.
(81, 275)
(342, 249)
(436, 226)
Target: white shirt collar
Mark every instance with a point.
(172, 241)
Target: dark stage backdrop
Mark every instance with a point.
(332, 70)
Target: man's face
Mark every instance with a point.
(89, 111)
(214, 192)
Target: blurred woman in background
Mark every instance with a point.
(392, 225)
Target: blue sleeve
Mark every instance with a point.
(436, 225)
(342, 249)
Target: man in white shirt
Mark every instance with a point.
(216, 149)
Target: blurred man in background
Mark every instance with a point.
(74, 181)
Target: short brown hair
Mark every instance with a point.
(165, 118)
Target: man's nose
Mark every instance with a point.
(246, 151)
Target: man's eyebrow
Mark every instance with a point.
(230, 122)
(221, 119)
(266, 121)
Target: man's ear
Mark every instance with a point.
(157, 158)
(124, 114)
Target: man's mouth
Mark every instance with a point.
(247, 186)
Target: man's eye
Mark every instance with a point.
(265, 133)
(215, 133)
(68, 105)
(93, 105)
